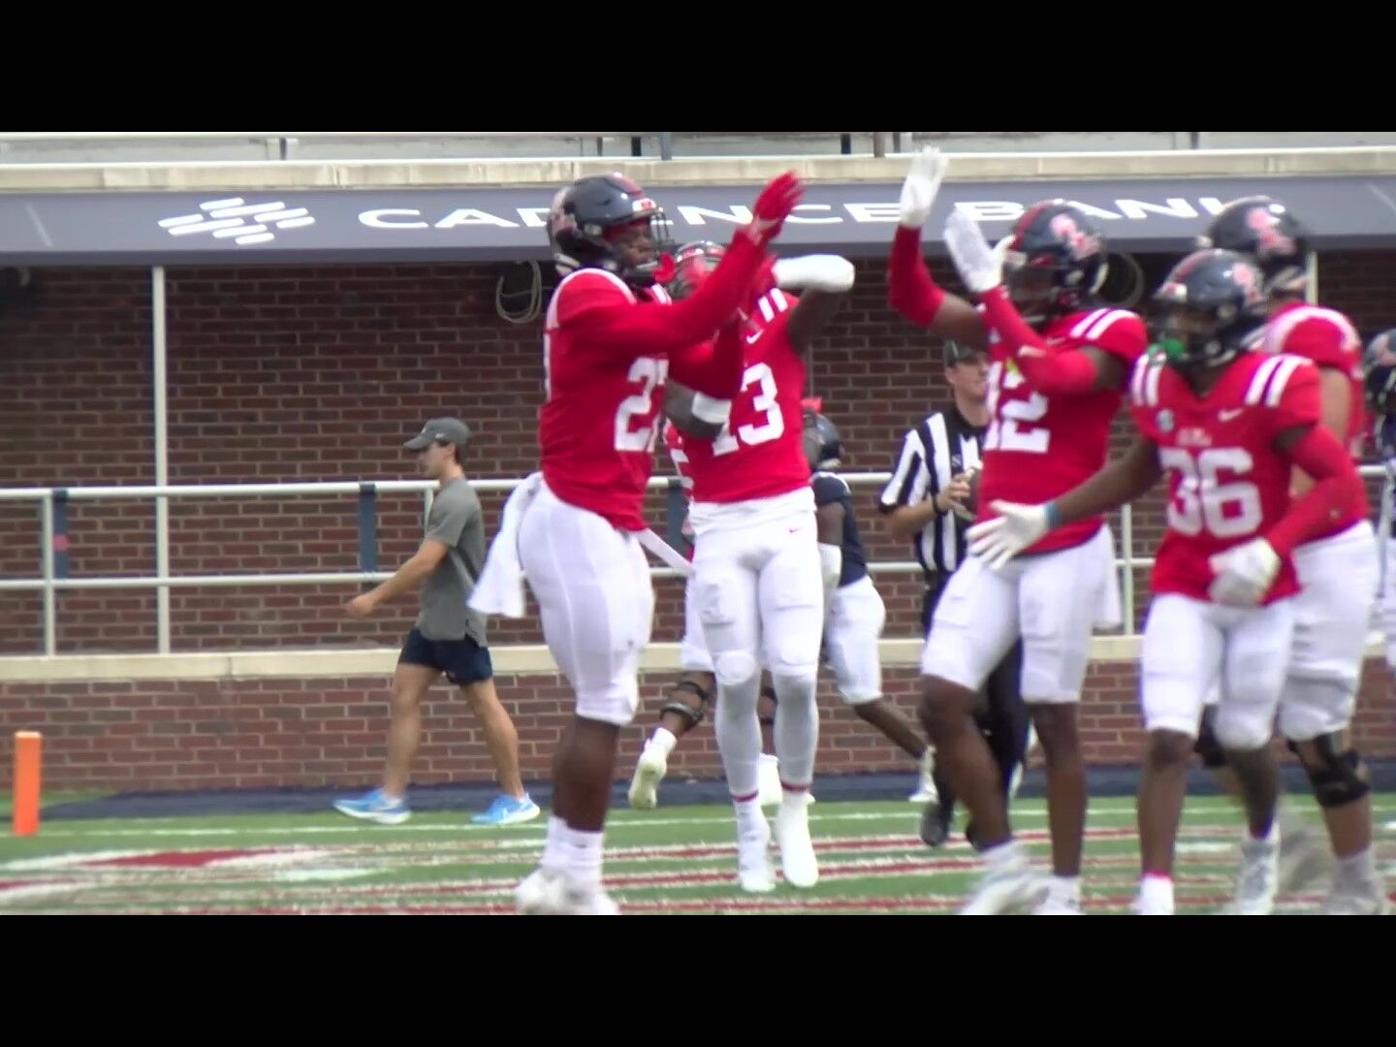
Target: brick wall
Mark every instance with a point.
(171, 735)
(318, 374)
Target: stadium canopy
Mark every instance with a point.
(480, 224)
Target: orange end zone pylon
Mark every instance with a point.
(25, 818)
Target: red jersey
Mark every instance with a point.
(1038, 447)
(598, 424)
(606, 347)
(1327, 337)
(1229, 484)
(760, 451)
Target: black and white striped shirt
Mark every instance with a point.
(932, 454)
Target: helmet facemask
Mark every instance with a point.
(692, 264)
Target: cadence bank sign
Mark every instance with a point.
(806, 214)
(484, 223)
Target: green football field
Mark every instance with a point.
(673, 860)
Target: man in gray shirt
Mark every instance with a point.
(447, 638)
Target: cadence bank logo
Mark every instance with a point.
(235, 219)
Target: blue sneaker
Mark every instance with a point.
(508, 811)
(374, 806)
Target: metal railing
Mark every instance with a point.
(49, 500)
(40, 147)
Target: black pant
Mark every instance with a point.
(1000, 713)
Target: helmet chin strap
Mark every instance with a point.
(636, 276)
(1100, 276)
(1213, 353)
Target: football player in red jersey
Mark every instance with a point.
(852, 626)
(757, 563)
(686, 702)
(1058, 365)
(1227, 425)
(1338, 571)
(610, 338)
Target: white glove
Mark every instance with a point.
(980, 266)
(1001, 249)
(1016, 527)
(814, 272)
(711, 410)
(1244, 574)
(921, 185)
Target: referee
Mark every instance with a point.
(926, 501)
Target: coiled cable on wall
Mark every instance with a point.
(534, 294)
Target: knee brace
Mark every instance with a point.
(1340, 778)
(1207, 746)
(675, 704)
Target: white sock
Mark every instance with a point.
(749, 816)
(1065, 889)
(794, 799)
(582, 852)
(1156, 893)
(664, 739)
(553, 859)
(1360, 866)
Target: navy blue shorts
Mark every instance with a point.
(463, 661)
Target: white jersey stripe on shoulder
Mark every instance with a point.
(782, 303)
(551, 320)
(1136, 380)
(1288, 365)
(1079, 331)
(1277, 331)
(766, 310)
(1256, 390)
(1343, 324)
(1104, 323)
(1155, 376)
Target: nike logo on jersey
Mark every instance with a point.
(1230, 413)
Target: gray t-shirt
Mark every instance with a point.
(455, 520)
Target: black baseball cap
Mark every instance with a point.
(440, 431)
(957, 353)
